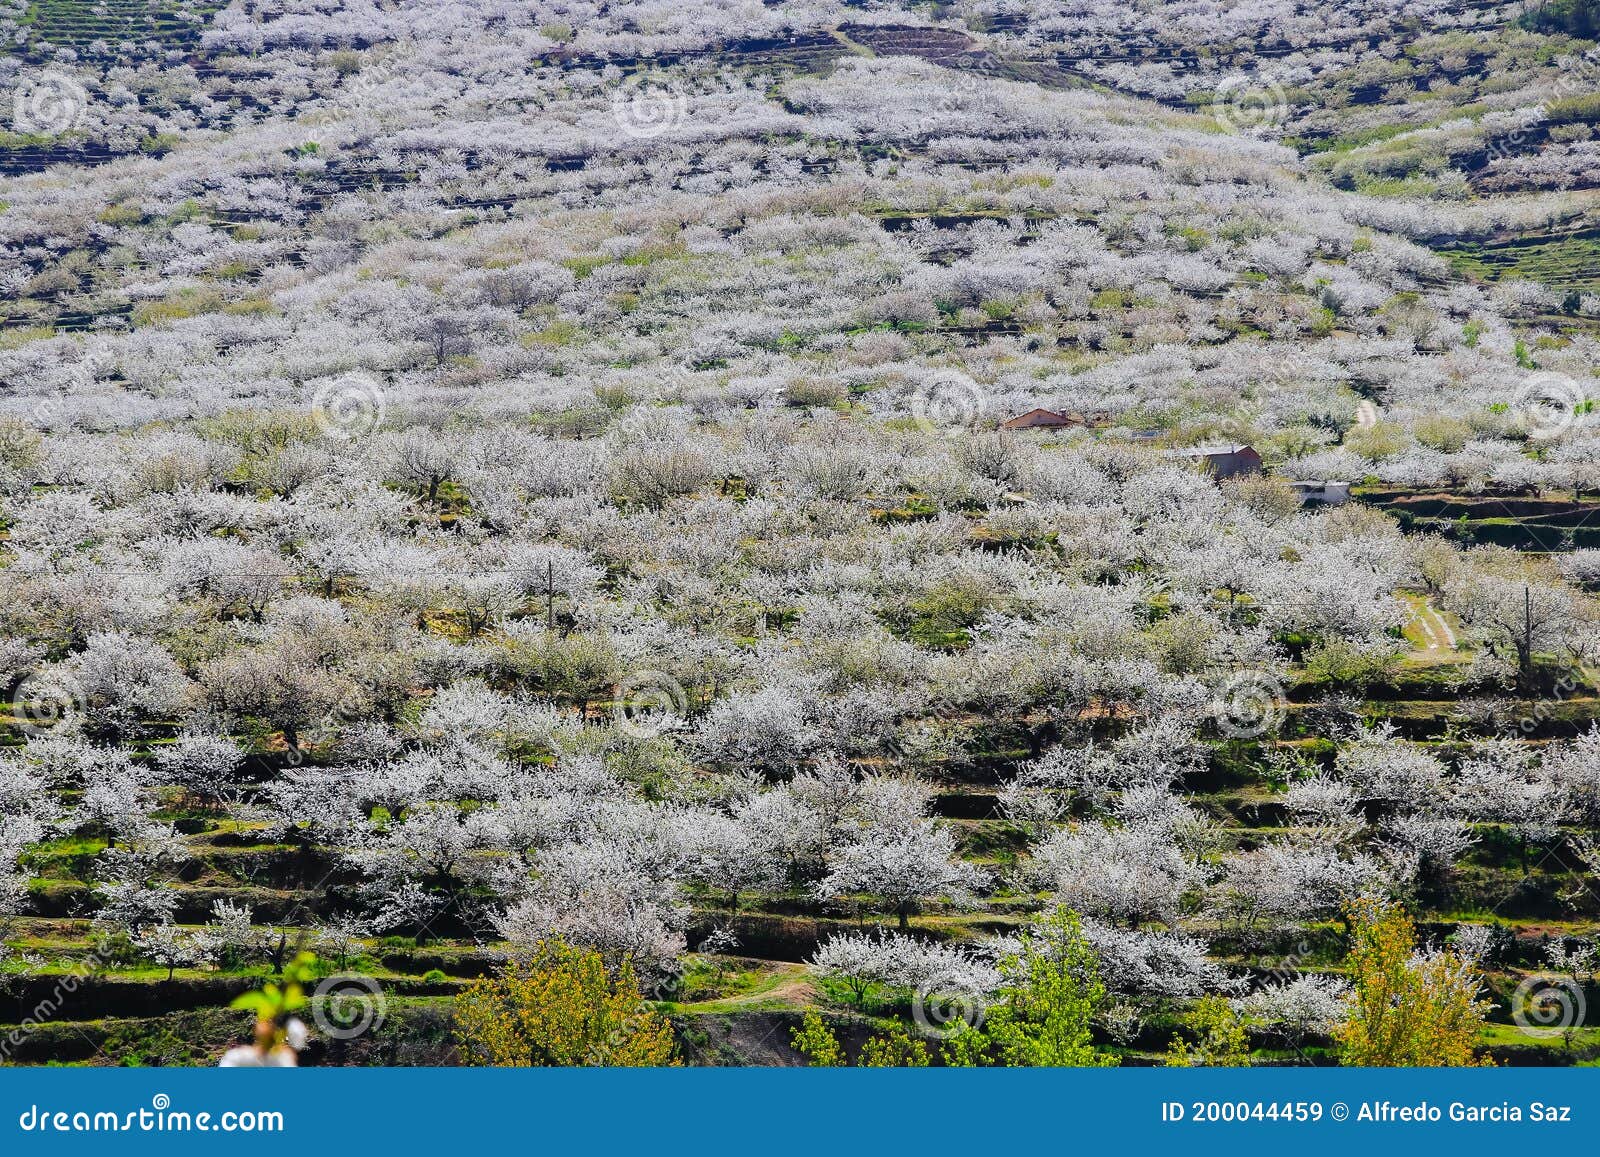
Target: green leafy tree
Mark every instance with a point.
(817, 1043)
(966, 1048)
(895, 1049)
(1048, 1000)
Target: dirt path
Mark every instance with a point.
(1440, 636)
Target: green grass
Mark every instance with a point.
(77, 24)
(1566, 263)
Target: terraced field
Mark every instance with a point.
(738, 1007)
(1570, 263)
(469, 485)
(106, 27)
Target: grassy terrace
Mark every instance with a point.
(1570, 263)
(737, 1008)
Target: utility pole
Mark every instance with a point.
(1527, 630)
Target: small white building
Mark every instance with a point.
(1322, 492)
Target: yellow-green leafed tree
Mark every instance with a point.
(1221, 1040)
(558, 1006)
(1407, 1009)
(815, 1041)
